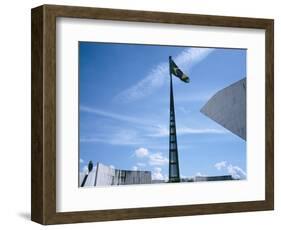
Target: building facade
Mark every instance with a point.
(212, 178)
(227, 107)
(103, 175)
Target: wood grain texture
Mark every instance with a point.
(37, 115)
(269, 114)
(43, 186)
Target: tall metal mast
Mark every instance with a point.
(174, 171)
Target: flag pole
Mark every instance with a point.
(174, 172)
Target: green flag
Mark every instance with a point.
(175, 70)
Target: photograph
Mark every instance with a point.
(174, 108)
(151, 114)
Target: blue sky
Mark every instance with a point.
(124, 108)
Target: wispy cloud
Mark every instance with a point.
(157, 77)
(200, 131)
(235, 171)
(140, 133)
(121, 137)
(141, 165)
(112, 166)
(135, 168)
(192, 56)
(85, 169)
(135, 137)
(183, 110)
(138, 166)
(141, 152)
(200, 174)
(157, 158)
(157, 174)
(164, 131)
(220, 165)
(111, 115)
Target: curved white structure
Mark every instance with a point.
(228, 108)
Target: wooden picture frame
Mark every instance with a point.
(43, 186)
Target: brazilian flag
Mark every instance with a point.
(175, 70)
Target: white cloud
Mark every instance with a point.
(112, 166)
(152, 158)
(141, 133)
(192, 56)
(154, 80)
(112, 115)
(186, 130)
(85, 169)
(236, 172)
(162, 131)
(135, 168)
(141, 165)
(157, 174)
(200, 174)
(81, 161)
(220, 165)
(158, 159)
(120, 137)
(134, 137)
(141, 152)
(160, 74)
(183, 110)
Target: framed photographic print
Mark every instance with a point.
(140, 114)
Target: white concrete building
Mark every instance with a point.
(103, 175)
(228, 108)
